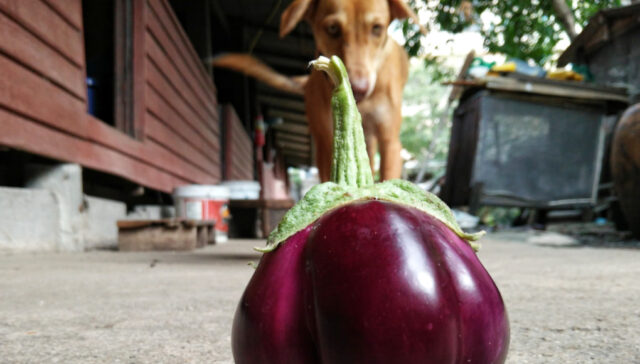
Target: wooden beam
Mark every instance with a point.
(28, 135)
(284, 62)
(123, 103)
(507, 84)
(263, 89)
(148, 152)
(139, 71)
(282, 135)
(292, 128)
(293, 146)
(282, 102)
(293, 153)
(298, 161)
(291, 116)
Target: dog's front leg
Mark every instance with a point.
(372, 143)
(388, 133)
(323, 151)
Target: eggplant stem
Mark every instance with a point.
(350, 163)
(351, 178)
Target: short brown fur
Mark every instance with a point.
(356, 31)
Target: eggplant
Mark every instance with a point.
(358, 272)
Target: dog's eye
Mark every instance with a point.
(333, 30)
(376, 30)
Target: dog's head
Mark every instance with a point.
(354, 30)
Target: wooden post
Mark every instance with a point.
(139, 69)
(123, 66)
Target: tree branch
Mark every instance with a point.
(566, 18)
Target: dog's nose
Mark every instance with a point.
(360, 88)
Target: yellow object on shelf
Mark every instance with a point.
(507, 67)
(564, 75)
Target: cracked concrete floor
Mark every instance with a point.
(566, 304)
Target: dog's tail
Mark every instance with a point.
(253, 67)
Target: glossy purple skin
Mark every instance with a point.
(269, 324)
(372, 282)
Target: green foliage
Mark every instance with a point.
(425, 126)
(525, 29)
(498, 216)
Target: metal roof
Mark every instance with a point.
(604, 26)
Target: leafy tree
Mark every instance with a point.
(425, 125)
(525, 29)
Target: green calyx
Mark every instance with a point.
(351, 177)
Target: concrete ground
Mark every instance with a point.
(567, 304)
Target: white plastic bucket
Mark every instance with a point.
(243, 190)
(204, 202)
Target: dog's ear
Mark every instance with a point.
(400, 10)
(292, 15)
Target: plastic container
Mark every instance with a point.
(91, 95)
(243, 190)
(204, 202)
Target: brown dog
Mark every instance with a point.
(356, 31)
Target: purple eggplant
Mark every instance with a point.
(359, 272)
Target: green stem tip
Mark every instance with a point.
(350, 163)
(351, 178)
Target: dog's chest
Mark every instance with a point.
(374, 111)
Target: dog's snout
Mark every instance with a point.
(360, 88)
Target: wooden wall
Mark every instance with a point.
(181, 108)
(238, 153)
(43, 108)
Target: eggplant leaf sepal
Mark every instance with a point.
(329, 195)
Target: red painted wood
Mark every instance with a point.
(241, 141)
(42, 92)
(160, 84)
(37, 55)
(185, 169)
(33, 137)
(41, 20)
(182, 88)
(163, 111)
(27, 93)
(166, 43)
(162, 9)
(165, 136)
(147, 151)
(70, 10)
(239, 148)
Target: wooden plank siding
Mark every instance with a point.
(238, 152)
(181, 103)
(70, 11)
(42, 21)
(43, 106)
(32, 52)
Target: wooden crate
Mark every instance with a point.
(164, 234)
